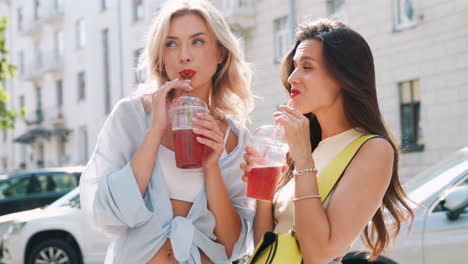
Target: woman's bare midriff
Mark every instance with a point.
(165, 255)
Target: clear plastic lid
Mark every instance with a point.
(184, 109)
(267, 131)
(188, 101)
(271, 152)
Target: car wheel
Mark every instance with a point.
(53, 251)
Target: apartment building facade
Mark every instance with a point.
(76, 59)
(420, 50)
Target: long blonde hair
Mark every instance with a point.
(230, 94)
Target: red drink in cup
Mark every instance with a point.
(262, 182)
(264, 176)
(188, 151)
(187, 159)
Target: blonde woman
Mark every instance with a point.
(131, 185)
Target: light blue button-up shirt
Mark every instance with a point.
(111, 198)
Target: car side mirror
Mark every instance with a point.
(74, 204)
(456, 201)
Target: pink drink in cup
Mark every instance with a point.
(188, 151)
(264, 176)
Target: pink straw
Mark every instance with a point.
(273, 136)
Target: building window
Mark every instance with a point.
(81, 86)
(37, 9)
(39, 114)
(106, 63)
(20, 18)
(336, 9)
(281, 35)
(83, 144)
(136, 55)
(404, 14)
(334, 6)
(59, 44)
(21, 63)
(21, 101)
(58, 5)
(104, 4)
(138, 11)
(62, 158)
(5, 163)
(410, 111)
(40, 156)
(22, 156)
(80, 34)
(59, 85)
(38, 54)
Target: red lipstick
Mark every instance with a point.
(187, 74)
(294, 93)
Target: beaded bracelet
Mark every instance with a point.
(299, 172)
(306, 197)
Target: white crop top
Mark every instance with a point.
(182, 184)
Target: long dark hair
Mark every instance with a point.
(349, 60)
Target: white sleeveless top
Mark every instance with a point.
(327, 149)
(182, 184)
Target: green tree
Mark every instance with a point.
(7, 70)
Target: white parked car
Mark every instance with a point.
(439, 233)
(56, 234)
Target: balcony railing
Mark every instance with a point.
(50, 117)
(240, 14)
(34, 70)
(52, 12)
(31, 28)
(54, 117)
(34, 117)
(53, 63)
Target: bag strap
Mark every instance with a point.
(270, 239)
(329, 177)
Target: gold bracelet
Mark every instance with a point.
(306, 197)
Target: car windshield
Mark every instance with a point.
(437, 176)
(16, 186)
(65, 200)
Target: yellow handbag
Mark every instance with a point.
(283, 247)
